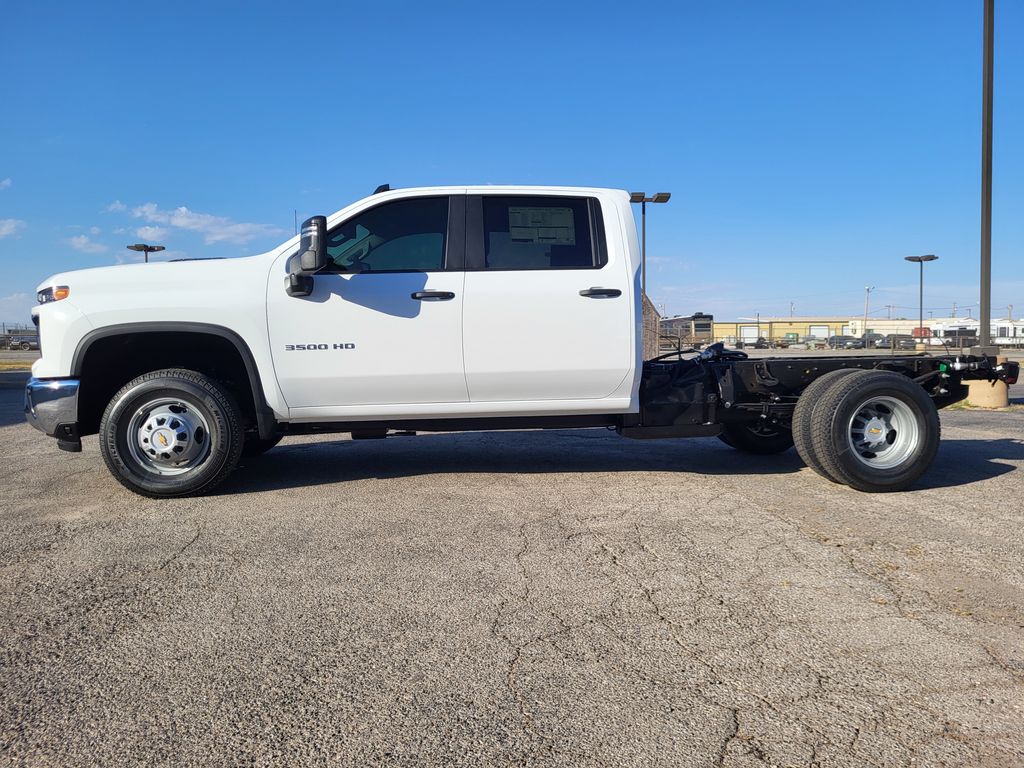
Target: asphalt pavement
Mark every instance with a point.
(564, 598)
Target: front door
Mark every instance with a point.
(383, 324)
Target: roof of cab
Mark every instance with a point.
(492, 188)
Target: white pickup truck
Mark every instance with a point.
(441, 309)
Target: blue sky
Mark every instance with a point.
(809, 146)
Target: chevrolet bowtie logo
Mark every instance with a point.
(162, 439)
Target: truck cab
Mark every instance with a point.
(471, 301)
(439, 303)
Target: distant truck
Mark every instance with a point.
(23, 343)
(442, 309)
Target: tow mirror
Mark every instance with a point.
(311, 258)
(313, 246)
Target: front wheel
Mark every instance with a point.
(760, 438)
(171, 432)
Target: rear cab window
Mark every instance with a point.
(521, 232)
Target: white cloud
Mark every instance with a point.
(94, 230)
(151, 233)
(85, 245)
(16, 308)
(10, 226)
(6, 183)
(116, 206)
(214, 229)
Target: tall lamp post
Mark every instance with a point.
(643, 199)
(920, 260)
(985, 310)
(146, 249)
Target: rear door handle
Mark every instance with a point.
(433, 295)
(597, 293)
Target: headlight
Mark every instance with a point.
(53, 293)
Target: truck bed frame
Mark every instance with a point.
(696, 396)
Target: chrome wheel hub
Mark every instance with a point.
(169, 437)
(883, 432)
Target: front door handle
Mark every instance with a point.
(433, 295)
(597, 293)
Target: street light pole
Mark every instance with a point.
(920, 260)
(985, 310)
(643, 246)
(643, 199)
(146, 249)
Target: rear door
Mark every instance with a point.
(548, 313)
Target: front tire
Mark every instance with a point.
(171, 432)
(875, 431)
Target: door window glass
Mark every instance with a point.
(403, 236)
(538, 233)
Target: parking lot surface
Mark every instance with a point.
(560, 598)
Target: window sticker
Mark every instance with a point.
(552, 226)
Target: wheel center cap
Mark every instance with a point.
(875, 431)
(163, 439)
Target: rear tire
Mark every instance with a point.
(803, 415)
(171, 432)
(877, 431)
(759, 437)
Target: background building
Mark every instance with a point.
(782, 329)
(687, 330)
(954, 331)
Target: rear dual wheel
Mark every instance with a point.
(875, 431)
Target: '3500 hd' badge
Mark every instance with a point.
(317, 347)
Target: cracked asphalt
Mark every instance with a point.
(563, 598)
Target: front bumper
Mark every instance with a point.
(51, 406)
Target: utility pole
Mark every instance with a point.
(867, 295)
(954, 309)
(888, 310)
(791, 309)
